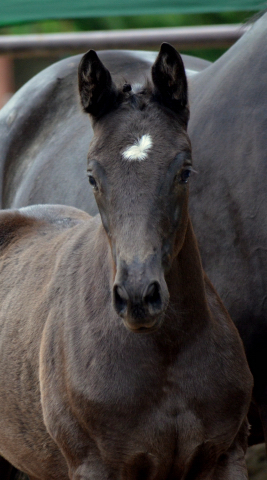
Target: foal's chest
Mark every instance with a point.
(143, 411)
(148, 442)
(140, 416)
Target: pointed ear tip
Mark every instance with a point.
(89, 57)
(90, 54)
(168, 49)
(165, 46)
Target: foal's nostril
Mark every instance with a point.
(137, 306)
(152, 297)
(120, 298)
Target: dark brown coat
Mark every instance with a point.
(117, 357)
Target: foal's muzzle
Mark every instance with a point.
(138, 300)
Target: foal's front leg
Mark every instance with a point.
(231, 467)
(89, 470)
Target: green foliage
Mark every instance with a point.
(128, 22)
(117, 23)
(168, 20)
(156, 21)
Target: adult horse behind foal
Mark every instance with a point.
(228, 130)
(117, 357)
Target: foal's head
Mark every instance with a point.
(138, 166)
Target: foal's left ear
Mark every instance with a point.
(97, 90)
(169, 78)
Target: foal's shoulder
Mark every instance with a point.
(16, 223)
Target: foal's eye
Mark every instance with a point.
(185, 174)
(92, 181)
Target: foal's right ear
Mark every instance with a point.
(97, 91)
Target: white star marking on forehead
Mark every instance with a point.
(138, 151)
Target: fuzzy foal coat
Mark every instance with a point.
(169, 404)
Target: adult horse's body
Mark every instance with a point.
(117, 357)
(44, 147)
(228, 129)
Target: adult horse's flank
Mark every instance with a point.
(117, 358)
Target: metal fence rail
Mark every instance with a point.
(183, 38)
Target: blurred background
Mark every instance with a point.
(38, 20)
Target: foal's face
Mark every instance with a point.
(138, 166)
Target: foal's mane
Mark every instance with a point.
(137, 96)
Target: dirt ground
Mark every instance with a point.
(257, 462)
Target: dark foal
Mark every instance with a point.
(118, 359)
(44, 142)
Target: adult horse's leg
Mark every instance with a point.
(22, 476)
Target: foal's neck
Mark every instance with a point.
(187, 286)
